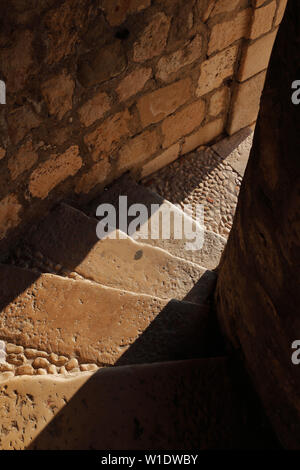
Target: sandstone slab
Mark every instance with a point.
(53, 171)
(94, 108)
(161, 160)
(262, 20)
(107, 135)
(153, 38)
(214, 70)
(169, 65)
(224, 34)
(183, 122)
(256, 56)
(213, 244)
(133, 83)
(235, 150)
(155, 106)
(122, 408)
(106, 63)
(138, 149)
(246, 101)
(203, 135)
(68, 237)
(96, 324)
(58, 94)
(23, 160)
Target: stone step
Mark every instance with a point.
(97, 324)
(187, 405)
(207, 255)
(67, 238)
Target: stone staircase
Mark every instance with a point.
(116, 341)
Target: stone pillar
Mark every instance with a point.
(258, 293)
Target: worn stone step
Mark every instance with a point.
(213, 244)
(196, 404)
(98, 324)
(68, 238)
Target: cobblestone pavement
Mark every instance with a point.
(210, 176)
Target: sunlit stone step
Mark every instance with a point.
(68, 238)
(98, 324)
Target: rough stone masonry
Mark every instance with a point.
(95, 89)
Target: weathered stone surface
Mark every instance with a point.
(215, 70)
(23, 160)
(31, 353)
(116, 319)
(106, 63)
(105, 138)
(27, 369)
(94, 108)
(70, 365)
(98, 33)
(6, 368)
(9, 213)
(246, 100)
(96, 175)
(219, 101)
(20, 122)
(118, 11)
(138, 149)
(262, 20)
(58, 360)
(204, 135)
(62, 26)
(153, 38)
(58, 94)
(162, 160)
(69, 238)
(201, 177)
(16, 359)
(181, 399)
(256, 56)
(14, 349)
(224, 6)
(17, 61)
(258, 3)
(160, 103)
(40, 363)
(258, 284)
(208, 255)
(280, 12)
(235, 150)
(170, 64)
(52, 172)
(183, 122)
(88, 367)
(224, 34)
(133, 83)
(204, 9)
(52, 369)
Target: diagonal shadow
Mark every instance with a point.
(189, 171)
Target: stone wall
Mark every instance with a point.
(257, 294)
(95, 89)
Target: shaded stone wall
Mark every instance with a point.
(257, 293)
(98, 88)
